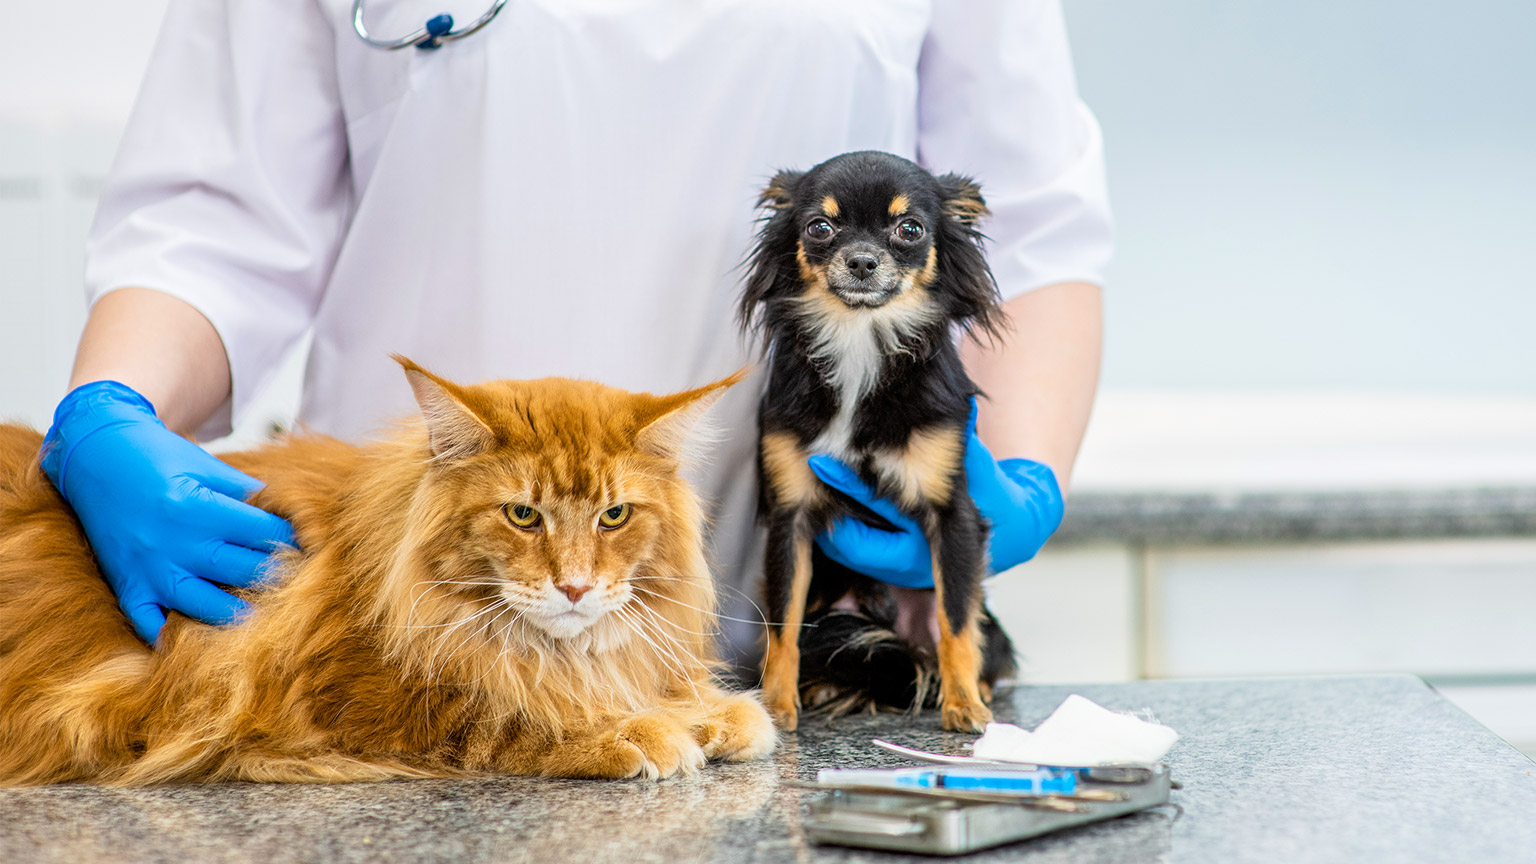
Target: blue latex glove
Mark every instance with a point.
(165, 518)
(1019, 498)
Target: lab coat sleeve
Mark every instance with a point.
(230, 189)
(998, 101)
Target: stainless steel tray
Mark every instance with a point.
(940, 825)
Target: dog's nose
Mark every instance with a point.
(863, 266)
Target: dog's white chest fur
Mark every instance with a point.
(853, 369)
(850, 349)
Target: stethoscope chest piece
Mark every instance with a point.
(432, 35)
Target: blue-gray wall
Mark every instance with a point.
(1317, 194)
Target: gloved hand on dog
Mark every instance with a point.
(1019, 498)
(165, 518)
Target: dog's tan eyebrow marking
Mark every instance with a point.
(829, 206)
(899, 205)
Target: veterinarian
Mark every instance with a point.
(567, 191)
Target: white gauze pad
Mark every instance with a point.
(1078, 733)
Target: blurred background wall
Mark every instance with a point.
(1318, 194)
(1323, 287)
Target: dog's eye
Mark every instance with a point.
(909, 231)
(819, 229)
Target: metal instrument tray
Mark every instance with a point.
(939, 824)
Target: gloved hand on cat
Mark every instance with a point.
(165, 518)
(1019, 498)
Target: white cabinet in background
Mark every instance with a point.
(1445, 608)
(1073, 614)
(1461, 613)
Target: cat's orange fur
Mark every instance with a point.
(406, 638)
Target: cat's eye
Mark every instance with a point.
(613, 517)
(819, 229)
(522, 516)
(909, 231)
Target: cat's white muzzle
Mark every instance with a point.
(556, 615)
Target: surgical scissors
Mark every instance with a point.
(437, 30)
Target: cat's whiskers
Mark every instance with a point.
(708, 612)
(761, 615)
(652, 613)
(427, 590)
(506, 645)
(416, 600)
(597, 686)
(664, 655)
(454, 625)
(488, 628)
(659, 627)
(432, 670)
(665, 627)
(676, 663)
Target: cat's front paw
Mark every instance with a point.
(736, 729)
(652, 745)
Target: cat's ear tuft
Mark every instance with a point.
(454, 430)
(668, 424)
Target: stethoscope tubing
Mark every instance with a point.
(436, 31)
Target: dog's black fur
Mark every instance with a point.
(863, 269)
(854, 659)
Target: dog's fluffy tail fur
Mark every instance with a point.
(854, 661)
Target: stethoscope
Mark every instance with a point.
(437, 30)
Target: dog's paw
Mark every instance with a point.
(962, 716)
(781, 689)
(785, 709)
(736, 729)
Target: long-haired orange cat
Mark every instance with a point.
(517, 585)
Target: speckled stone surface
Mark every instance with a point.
(1358, 769)
(1189, 517)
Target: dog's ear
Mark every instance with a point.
(773, 256)
(962, 199)
(972, 291)
(780, 191)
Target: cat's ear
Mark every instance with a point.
(454, 430)
(668, 423)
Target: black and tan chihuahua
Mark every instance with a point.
(865, 268)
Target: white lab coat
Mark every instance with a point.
(568, 191)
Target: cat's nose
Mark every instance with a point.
(575, 590)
